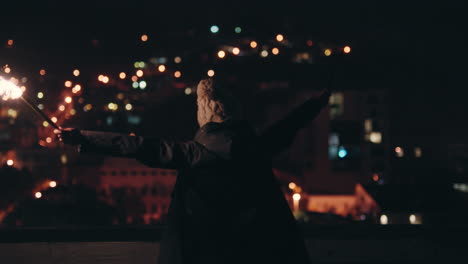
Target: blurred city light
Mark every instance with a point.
(61, 108)
(10, 162)
(211, 73)
(347, 49)
(52, 184)
(87, 107)
(76, 72)
(264, 53)
(292, 185)
(412, 219)
(76, 89)
(177, 60)
(221, 54)
(135, 84)
(48, 140)
(38, 195)
(142, 85)
(279, 37)
(296, 197)
(105, 79)
(45, 124)
(144, 38)
(40, 95)
(68, 84)
(327, 52)
(375, 177)
(122, 75)
(7, 70)
(139, 73)
(214, 29)
(238, 30)
(63, 159)
(376, 137)
(253, 44)
(235, 51)
(399, 152)
(417, 152)
(54, 119)
(42, 72)
(275, 51)
(342, 152)
(177, 74)
(68, 99)
(162, 68)
(188, 90)
(383, 219)
(309, 43)
(128, 107)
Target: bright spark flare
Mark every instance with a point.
(8, 90)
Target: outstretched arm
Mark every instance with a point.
(281, 134)
(153, 152)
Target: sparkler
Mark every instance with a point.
(9, 90)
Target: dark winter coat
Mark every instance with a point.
(227, 206)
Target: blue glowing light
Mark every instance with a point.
(214, 29)
(342, 152)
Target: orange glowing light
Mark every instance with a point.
(279, 37)
(177, 59)
(48, 140)
(68, 99)
(134, 78)
(253, 44)
(76, 72)
(309, 43)
(7, 70)
(275, 51)
(100, 77)
(52, 184)
(375, 177)
(292, 185)
(139, 73)
(221, 54)
(122, 75)
(327, 52)
(10, 162)
(144, 38)
(38, 195)
(68, 84)
(296, 197)
(235, 51)
(211, 73)
(105, 79)
(162, 68)
(62, 108)
(54, 119)
(42, 72)
(177, 74)
(76, 89)
(10, 42)
(397, 149)
(347, 49)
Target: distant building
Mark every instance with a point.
(152, 185)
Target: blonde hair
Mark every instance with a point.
(215, 102)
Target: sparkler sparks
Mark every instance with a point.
(9, 90)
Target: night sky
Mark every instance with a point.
(415, 49)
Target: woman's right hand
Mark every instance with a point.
(71, 136)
